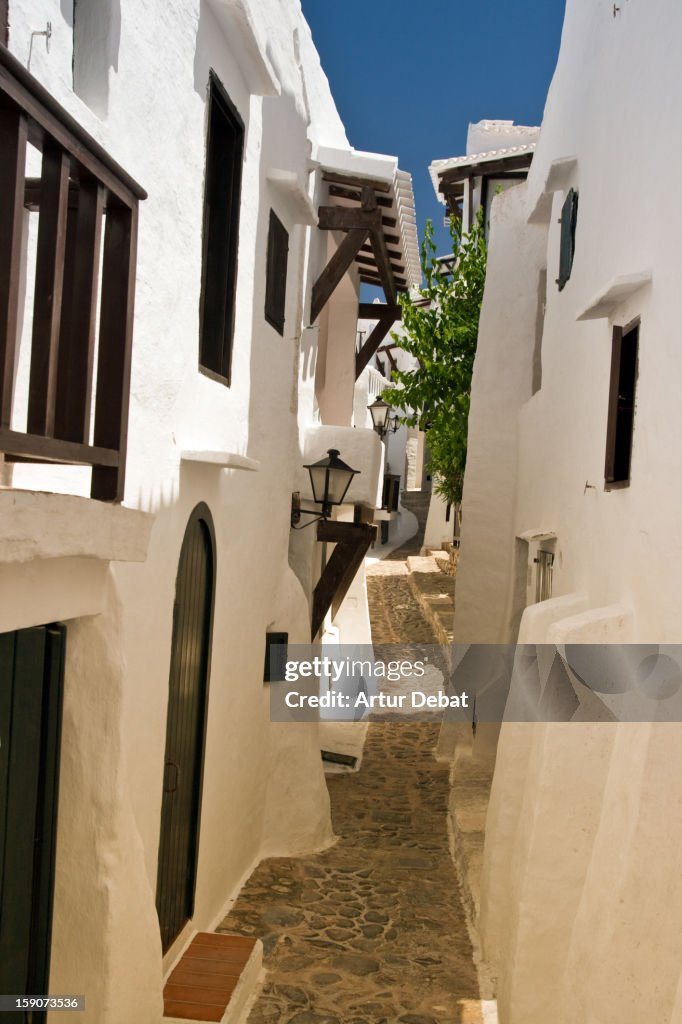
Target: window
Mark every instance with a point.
(224, 148)
(276, 273)
(276, 646)
(569, 217)
(621, 404)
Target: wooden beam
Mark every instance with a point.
(345, 218)
(338, 265)
(371, 345)
(373, 278)
(47, 449)
(79, 310)
(337, 192)
(510, 163)
(352, 543)
(48, 291)
(369, 262)
(115, 348)
(13, 140)
(377, 310)
(395, 254)
(386, 350)
(356, 182)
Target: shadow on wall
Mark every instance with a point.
(96, 41)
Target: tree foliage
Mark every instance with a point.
(440, 330)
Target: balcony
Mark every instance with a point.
(65, 353)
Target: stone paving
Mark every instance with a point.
(372, 930)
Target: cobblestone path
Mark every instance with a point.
(372, 930)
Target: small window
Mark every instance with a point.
(569, 218)
(276, 647)
(276, 273)
(222, 188)
(621, 405)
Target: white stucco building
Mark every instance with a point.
(198, 409)
(571, 520)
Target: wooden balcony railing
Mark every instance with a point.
(76, 408)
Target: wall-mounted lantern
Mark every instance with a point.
(330, 479)
(382, 421)
(380, 412)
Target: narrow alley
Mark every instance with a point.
(372, 930)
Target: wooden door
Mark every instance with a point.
(186, 726)
(31, 677)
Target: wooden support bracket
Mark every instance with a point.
(370, 347)
(352, 542)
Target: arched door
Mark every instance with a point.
(186, 726)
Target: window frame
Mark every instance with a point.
(620, 335)
(215, 356)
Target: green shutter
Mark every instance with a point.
(569, 217)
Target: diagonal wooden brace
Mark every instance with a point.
(352, 543)
(370, 347)
(330, 277)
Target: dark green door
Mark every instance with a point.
(186, 726)
(31, 674)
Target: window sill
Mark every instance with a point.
(221, 459)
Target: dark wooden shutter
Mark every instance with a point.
(31, 674)
(186, 726)
(222, 194)
(276, 273)
(569, 219)
(621, 410)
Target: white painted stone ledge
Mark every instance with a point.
(41, 525)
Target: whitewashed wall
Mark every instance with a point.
(146, 103)
(579, 893)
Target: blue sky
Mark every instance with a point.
(409, 77)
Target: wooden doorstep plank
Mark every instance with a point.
(193, 1011)
(223, 940)
(13, 140)
(54, 194)
(211, 996)
(210, 954)
(213, 972)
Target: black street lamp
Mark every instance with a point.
(330, 479)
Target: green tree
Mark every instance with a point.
(440, 330)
